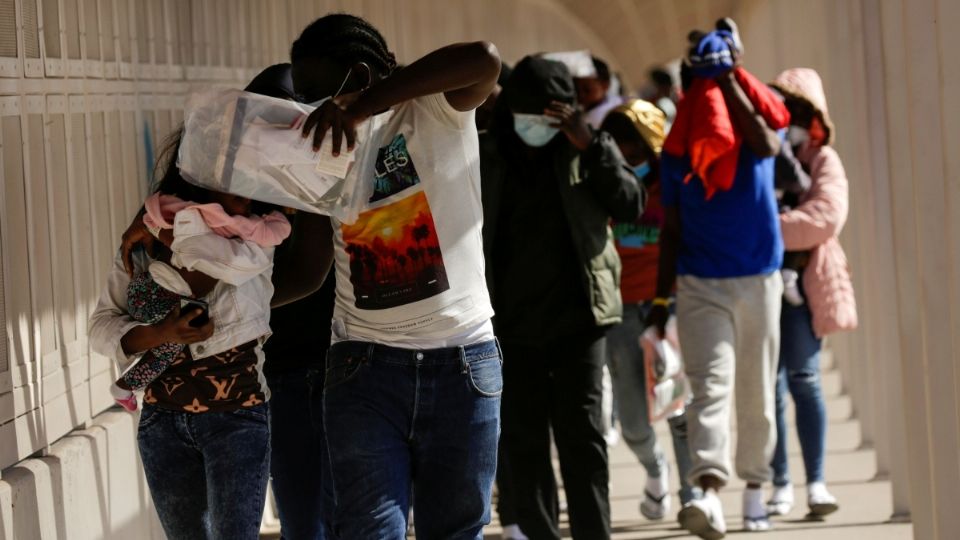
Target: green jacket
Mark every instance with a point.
(596, 185)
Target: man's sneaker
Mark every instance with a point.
(513, 532)
(704, 517)
(820, 501)
(654, 508)
(656, 495)
(781, 500)
(755, 517)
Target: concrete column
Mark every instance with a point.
(922, 247)
(882, 307)
(935, 243)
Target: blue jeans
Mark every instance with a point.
(207, 472)
(627, 369)
(400, 421)
(799, 372)
(298, 464)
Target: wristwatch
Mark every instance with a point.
(665, 302)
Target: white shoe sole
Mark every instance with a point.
(696, 521)
(654, 509)
(756, 525)
(650, 514)
(823, 509)
(779, 509)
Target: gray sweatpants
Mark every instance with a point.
(730, 335)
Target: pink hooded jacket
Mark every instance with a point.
(816, 223)
(266, 231)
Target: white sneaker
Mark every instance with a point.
(755, 517)
(781, 500)
(820, 501)
(656, 495)
(704, 517)
(655, 508)
(791, 287)
(513, 532)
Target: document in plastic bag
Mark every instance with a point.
(667, 387)
(251, 145)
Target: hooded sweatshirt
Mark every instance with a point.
(552, 267)
(816, 223)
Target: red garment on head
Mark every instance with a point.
(704, 131)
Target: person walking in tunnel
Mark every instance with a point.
(593, 93)
(550, 187)
(294, 370)
(662, 93)
(638, 127)
(413, 378)
(721, 236)
(829, 305)
(203, 435)
(292, 367)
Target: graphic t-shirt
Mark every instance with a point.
(638, 244)
(410, 271)
(734, 234)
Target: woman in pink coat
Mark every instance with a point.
(813, 226)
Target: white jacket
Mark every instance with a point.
(239, 303)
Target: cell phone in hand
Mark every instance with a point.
(191, 304)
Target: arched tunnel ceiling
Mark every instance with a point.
(642, 33)
(632, 35)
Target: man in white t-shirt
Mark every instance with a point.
(413, 380)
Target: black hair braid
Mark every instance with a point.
(344, 38)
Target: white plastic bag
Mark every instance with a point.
(667, 387)
(251, 145)
(580, 63)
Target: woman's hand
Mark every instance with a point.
(175, 328)
(136, 234)
(340, 118)
(571, 122)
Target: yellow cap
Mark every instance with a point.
(648, 119)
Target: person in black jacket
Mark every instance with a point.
(294, 370)
(550, 187)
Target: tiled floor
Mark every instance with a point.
(865, 503)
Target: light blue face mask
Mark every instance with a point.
(642, 170)
(534, 129)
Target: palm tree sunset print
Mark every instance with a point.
(395, 256)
